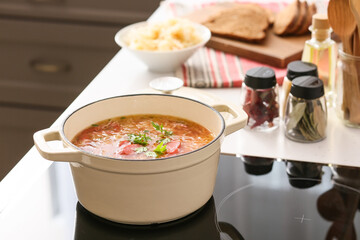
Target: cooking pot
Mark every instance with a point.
(142, 191)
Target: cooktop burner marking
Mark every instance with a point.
(231, 194)
(224, 200)
(302, 219)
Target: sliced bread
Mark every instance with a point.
(311, 10)
(245, 22)
(287, 18)
(301, 19)
(270, 14)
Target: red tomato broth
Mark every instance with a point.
(139, 137)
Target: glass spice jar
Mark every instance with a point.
(306, 111)
(295, 69)
(260, 99)
(347, 85)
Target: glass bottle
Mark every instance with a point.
(322, 51)
(306, 111)
(295, 69)
(260, 99)
(347, 97)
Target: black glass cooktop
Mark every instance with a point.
(254, 198)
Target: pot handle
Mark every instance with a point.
(60, 155)
(236, 121)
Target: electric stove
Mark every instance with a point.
(254, 198)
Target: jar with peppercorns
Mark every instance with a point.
(260, 99)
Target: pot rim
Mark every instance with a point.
(69, 143)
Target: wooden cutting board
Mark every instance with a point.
(274, 50)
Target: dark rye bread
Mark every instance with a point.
(301, 19)
(287, 18)
(246, 22)
(311, 10)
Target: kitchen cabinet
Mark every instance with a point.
(17, 125)
(50, 50)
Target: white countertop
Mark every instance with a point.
(124, 74)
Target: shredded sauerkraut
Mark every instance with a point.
(172, 34)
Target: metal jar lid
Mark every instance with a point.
(260, 78)
(300, 68)
(307, 87)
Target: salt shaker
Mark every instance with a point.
(306, 111)
(295, 69)
(260, 99)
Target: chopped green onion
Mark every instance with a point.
(141, 149)
(165, 140)
(151, 154)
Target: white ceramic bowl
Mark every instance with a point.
(163, 61)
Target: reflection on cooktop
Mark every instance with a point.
(303, 175)
(199, 225)
(292, 200)
(254, 199)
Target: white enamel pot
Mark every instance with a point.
(142, 191)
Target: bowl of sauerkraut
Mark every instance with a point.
(163, 46)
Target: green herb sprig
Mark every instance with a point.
(160, 149)
(141, 139)
(161, 129)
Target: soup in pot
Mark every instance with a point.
(143, 137)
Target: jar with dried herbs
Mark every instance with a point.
(295, 69)
(260, 99)
(306, 112)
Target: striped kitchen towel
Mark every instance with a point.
(209, 68)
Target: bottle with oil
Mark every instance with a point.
(321, 50)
